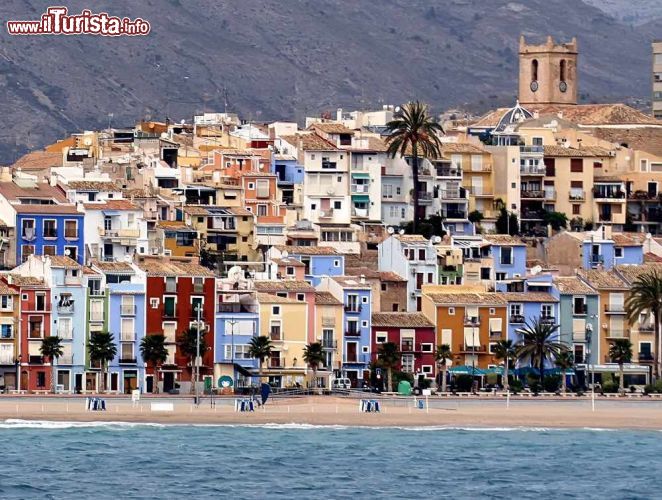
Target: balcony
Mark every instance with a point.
(329, 344)
(580, 311)
(407, 347)
(517, 318)
(124, 234)
(170, 314)
(36, 360)
(495, 335)
(354, 309)
(328, 321)
(65, 360)
(550, 194)
(360, 188)
(127, 361)
(533, 214)
(608, 195)
(445, 171)
(329, 164)
(532, 194)
(454, 214)
(276, 363)
(577, 195)
(471, 321)
(326, 214)
(597, 260)
(127, 310)
(65, 309)
(646, 357)
(548, 320)
(424, 197)
(452, 194)
(614, 309)
(646, 328)
(531, 149)
(276, 336)
(467, 349)
(617, 334)
(532, 170)
(353, 333)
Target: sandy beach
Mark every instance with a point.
(342, 411)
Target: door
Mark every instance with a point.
(10, 381)
(353, 376)
(351, 354)
(149, 383)
(130, 381)
(168, 381)
(63, 379)
(78, 382)
(652, 189)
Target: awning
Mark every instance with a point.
(360, 197)
(361, 175)
(243, 371)
(467, 370)
(111, 212)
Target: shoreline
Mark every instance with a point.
(323, 411)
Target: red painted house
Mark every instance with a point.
(35, 324)
(174, 289)
(414, 335)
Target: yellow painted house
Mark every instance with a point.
(9, 335)
(284, 322)
(329, 332)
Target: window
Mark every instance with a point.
(550, 167)
(198, 285)
(546, 311)
(71, 251)
(536, 141)
(500, 276)
(506, 256)
(408, 363)
(451, 311)
(618, 252)
(197, 302)
(50, 228)
(26, 251)
(6, 302)
(262, 188)
(336, 263)
(421, 254)
(154, 303)
(485, 273)
(169, 306)
(275, 332)
(337, 205)
(261, 210)
(579, 305)
(384, 287)
(27, 229)
(41, 379)
(562, 70)
(251, 185)
(576, 209)
(576, 165)
(64, 329)
(301, 297)
(364, 299)
(427, 347)
(241, 351)
(289, 270)
(171, 284)
(275, 310)
(534, 70)
(49, 250)
(381, 337)
(492, 311)
(71, 229)
(7, 331)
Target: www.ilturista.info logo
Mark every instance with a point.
(57, 21)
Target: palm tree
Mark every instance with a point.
(646, 297)
(442, 356)
(188, 346)
(540, 342)
(260, 349)
(313, 354)
(389, 357)
(413, 129)
(51, 347)
(564, 361)
(505, 350)
(620, 352)
(154, 352)
(102, 349)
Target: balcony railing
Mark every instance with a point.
(533, 193)
(36, 360)
(646, 357)
(65, 360)
(424, 197)
(275, 363)
(608, 195)
(646, 328)
(454, 214)
(577, 195)
(516, 318)
(329, 344)
(360, 188)
(127, 361)
(65, 309)
(531, 149)
(533, 214)
(548, 320)
(597, 259)
(529, 170)
(407, 347)
(450, 194)
(449, 171)
(471, 349)
(615, 308)
(580, 311)
(495, 334)
(128, 336)
(354, 309)
(471, 321)
(127, 310)
(276, 336)
(353, 333)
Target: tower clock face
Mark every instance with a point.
(534, 86)
(563, 86)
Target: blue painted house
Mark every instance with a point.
(355, 294)
(126, 321)
(237, 322)
(527, 307)
(508, 255)
(49, 230)
(319, 261)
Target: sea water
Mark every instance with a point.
(119, 461)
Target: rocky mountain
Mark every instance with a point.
(271, 59)
(634, 12)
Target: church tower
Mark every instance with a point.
(547, 73)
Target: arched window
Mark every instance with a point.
(534, 70)
(562, 71)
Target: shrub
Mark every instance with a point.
(610, 387)
(649, 389)
(657, 386)
(516, 386)
(463, 383)
(552, 383)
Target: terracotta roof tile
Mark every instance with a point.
(47, 209)
(298, 250)
(503, 239)
(468, 298)
(331, 128)
(38, 160)
(326, 299)
(573, 285)
(42, 190)
(528, 297)
(62, 261)
(310, 142)
(283, 286)
(113, 267)
(160, 267)
(648, 139)
(411, 238)
(632, 272)
(600, 279)
(19, 280)
(585, 152)
(112, 205)
(267, 298)
(628, 239)
(401, 320)
(92, 186)
(5, 289)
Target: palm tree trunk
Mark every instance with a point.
(443, 378)
(506, 385)
(155, 379)
(53, 375)
(621, 387)
(414, 174)
(314, 387)
(658, 344)
(563, 381)
(389, 372)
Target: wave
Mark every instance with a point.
(15, 423)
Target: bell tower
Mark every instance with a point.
(547, 72)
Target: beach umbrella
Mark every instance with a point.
(526, 370)
(496, 370)
(467, 370)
